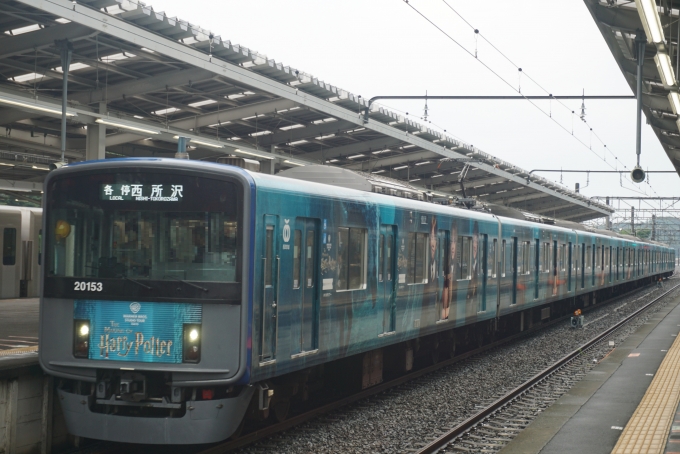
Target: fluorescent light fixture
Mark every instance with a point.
(355, 156)
(423, 163)
(665, 67)
(400, 167)
(674, 98)
(207, 144)
(415, 179)
(293, 163)
(238, 150)
(649, 14)
(33, 105)
(5, 164)
(120, 124)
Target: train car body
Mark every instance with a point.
(20, 232)
(179, 295)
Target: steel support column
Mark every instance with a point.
(95, 145)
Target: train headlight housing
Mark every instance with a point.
(192, 343)
(81, 338)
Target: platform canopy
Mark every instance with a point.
(139, 80)
(619, 22)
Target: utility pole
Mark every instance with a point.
(632, 220)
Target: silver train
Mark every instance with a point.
(20, 235)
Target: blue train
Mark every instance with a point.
(180, 298)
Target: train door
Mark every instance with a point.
(10, 229)
(386, 276)
(443, 268)
(271, 265)
(305, 295)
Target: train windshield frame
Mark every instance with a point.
(143, 229)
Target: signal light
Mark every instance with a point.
(192, 343)
(637, 175)
(81, 338)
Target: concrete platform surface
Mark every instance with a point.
(18, 323)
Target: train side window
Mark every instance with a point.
(381, 260)
(309, 259)
(526, 257)
(269, 248)
(492, 254)
(503, 259)
(464, 246)
(9, 246)
(40, 247)
(390, 264)
(351, 258)
(418, 255)
(296, 258)
(589, 258)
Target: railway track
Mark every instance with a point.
(501, 420)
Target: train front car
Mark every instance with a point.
(144, 311)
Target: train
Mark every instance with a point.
(20, 240)
(181, 298)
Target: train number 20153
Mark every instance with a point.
(88, 286)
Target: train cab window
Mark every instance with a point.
(464, 266)
(297, 239)
(418, 248)
(148, 225)
(9, 246)
(351, 258)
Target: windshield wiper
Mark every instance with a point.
(136, 282)
(187, 283)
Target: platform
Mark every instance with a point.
(595, 414)
(18, 326)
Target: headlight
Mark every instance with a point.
(81, 338)
(192, 343)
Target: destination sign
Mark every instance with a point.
(143, 192)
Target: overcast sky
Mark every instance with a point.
(381, 47)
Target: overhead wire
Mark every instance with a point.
(504, 81)
(528, 76)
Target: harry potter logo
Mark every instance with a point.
(122, 347)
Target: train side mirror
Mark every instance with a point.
(637, 175)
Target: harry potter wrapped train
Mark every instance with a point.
(181, 296)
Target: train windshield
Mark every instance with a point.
(144, 226)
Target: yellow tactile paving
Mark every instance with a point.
(19, 351)
(648, 428)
